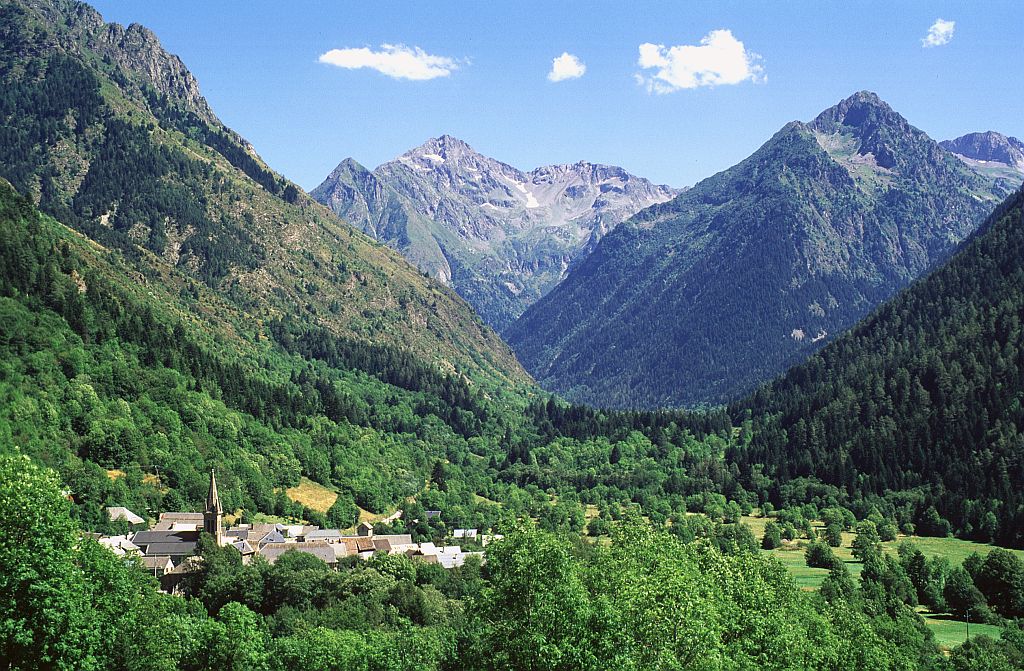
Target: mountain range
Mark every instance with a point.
(700, 299)
(171, 307)
(500, 236)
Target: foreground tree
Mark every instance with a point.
(45, 616)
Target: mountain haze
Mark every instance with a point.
(699, 299)
(501, 237)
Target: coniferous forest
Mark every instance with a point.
(170, 307)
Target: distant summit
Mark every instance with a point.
(500, 236)
(990, 147)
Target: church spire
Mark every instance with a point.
(213, 498)
(214, 511)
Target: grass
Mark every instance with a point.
(949, 632)
(792, 553)
(261, 518)
(312, 495)
(483, 499)
(366, 516)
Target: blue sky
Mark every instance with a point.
(258, 64)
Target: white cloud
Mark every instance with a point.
(939, 34)
(719, 59)
(565, 67)
(394, 60)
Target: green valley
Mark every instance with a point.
(238, 432)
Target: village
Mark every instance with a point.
(168, 549)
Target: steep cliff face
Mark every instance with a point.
(500, 236)
(79, 29)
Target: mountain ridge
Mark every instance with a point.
(921, 398)
(109, 134)
(989, 151)
(699, 299)
(499, 235)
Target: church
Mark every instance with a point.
(175, 535)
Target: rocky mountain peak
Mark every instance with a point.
(79, 28)
(445, 147)
(349, 166)
(500, 235)
(879, 134)
(863, 110)
(989, 146)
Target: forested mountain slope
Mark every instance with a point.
(124, 382)
(922, 402)
(500, 236)
(700, 299)
(108, 132)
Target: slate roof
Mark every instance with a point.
(243, 547)
(182, 517)
(172, 543)
(273, 551)
(254, 536)
(323, 535)
(190, 565)
(118, 544)
(155, 562)
(290, 530)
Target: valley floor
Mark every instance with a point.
(949, 632)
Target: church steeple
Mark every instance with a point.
(214, 511)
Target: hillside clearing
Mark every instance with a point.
(312, 495)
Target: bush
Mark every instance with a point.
(834, 534)
(962, 596)
(867, 542)
(819, 555)
(772, 536)
(1001, 581)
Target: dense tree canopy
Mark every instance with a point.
(921, 404)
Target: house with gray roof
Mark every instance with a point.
(179, 522)
(158, 565)
(321, 550)
(256, 535)
(174, 544)
(326, 535)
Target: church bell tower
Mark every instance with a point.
(214, 512)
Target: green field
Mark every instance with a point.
(948, 632)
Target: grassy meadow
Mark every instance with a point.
(948, 631)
